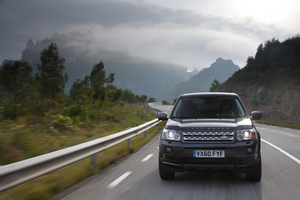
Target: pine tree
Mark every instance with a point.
(98, 79)
(18, 92)
(15, 79)
(50, 74)
(96, 86)
(214, 85)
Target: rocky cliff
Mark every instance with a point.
(270, 81)
(275, 102)
(72, 47)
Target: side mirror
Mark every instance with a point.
(255, 115)
(162, 116)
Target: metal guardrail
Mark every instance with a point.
(16, 173)
(154, 110)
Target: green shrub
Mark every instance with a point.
(11, 111)
(110, 116)
(58, 120)
(74, 110)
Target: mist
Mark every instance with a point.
(188, 36)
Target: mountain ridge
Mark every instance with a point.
(221, 70)
(81, 53)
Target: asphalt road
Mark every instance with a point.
(165, 108)
(137, 177)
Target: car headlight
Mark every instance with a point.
(247, 134)
(168, 134)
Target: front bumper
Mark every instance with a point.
(236, 156)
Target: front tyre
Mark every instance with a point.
(255, 176)
(164, 175)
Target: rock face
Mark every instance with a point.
(5, 62)
(32, 53)
(68, 47)
(275, 103)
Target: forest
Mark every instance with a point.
(272, 56)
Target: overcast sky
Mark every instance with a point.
(192, 33)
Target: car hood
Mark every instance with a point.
(207, 123)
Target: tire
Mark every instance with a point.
(255, 176)
(164, 175)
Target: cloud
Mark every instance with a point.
(146, 30)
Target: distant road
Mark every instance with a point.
(165, 108)
(138, 178)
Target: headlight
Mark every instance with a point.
(246, 134)
(168, 134)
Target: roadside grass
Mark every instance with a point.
(29, 136)
(294, 125)
(46, 186)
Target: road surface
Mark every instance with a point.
(137, 177)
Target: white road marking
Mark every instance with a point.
(282, 151)
(118, 180)
(147, 158)
(288, 134)
(170, 108)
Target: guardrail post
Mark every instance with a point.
(145, 134)
(129, 140)
(128, 143)
(94, 160)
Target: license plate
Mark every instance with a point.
(209, 154)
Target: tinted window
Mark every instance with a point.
(208, 108)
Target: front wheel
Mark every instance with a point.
(164, 175)
(255, 176)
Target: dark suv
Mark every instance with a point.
(209, 131)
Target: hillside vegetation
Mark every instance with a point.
(272, 56)
(36, 117)
(270, 81)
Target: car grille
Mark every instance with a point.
(209, 135)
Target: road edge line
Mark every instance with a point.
(282, 151)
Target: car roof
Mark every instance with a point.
(209, 94)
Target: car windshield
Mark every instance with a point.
(217, 107)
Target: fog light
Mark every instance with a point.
(168, 150)
(249, 150)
